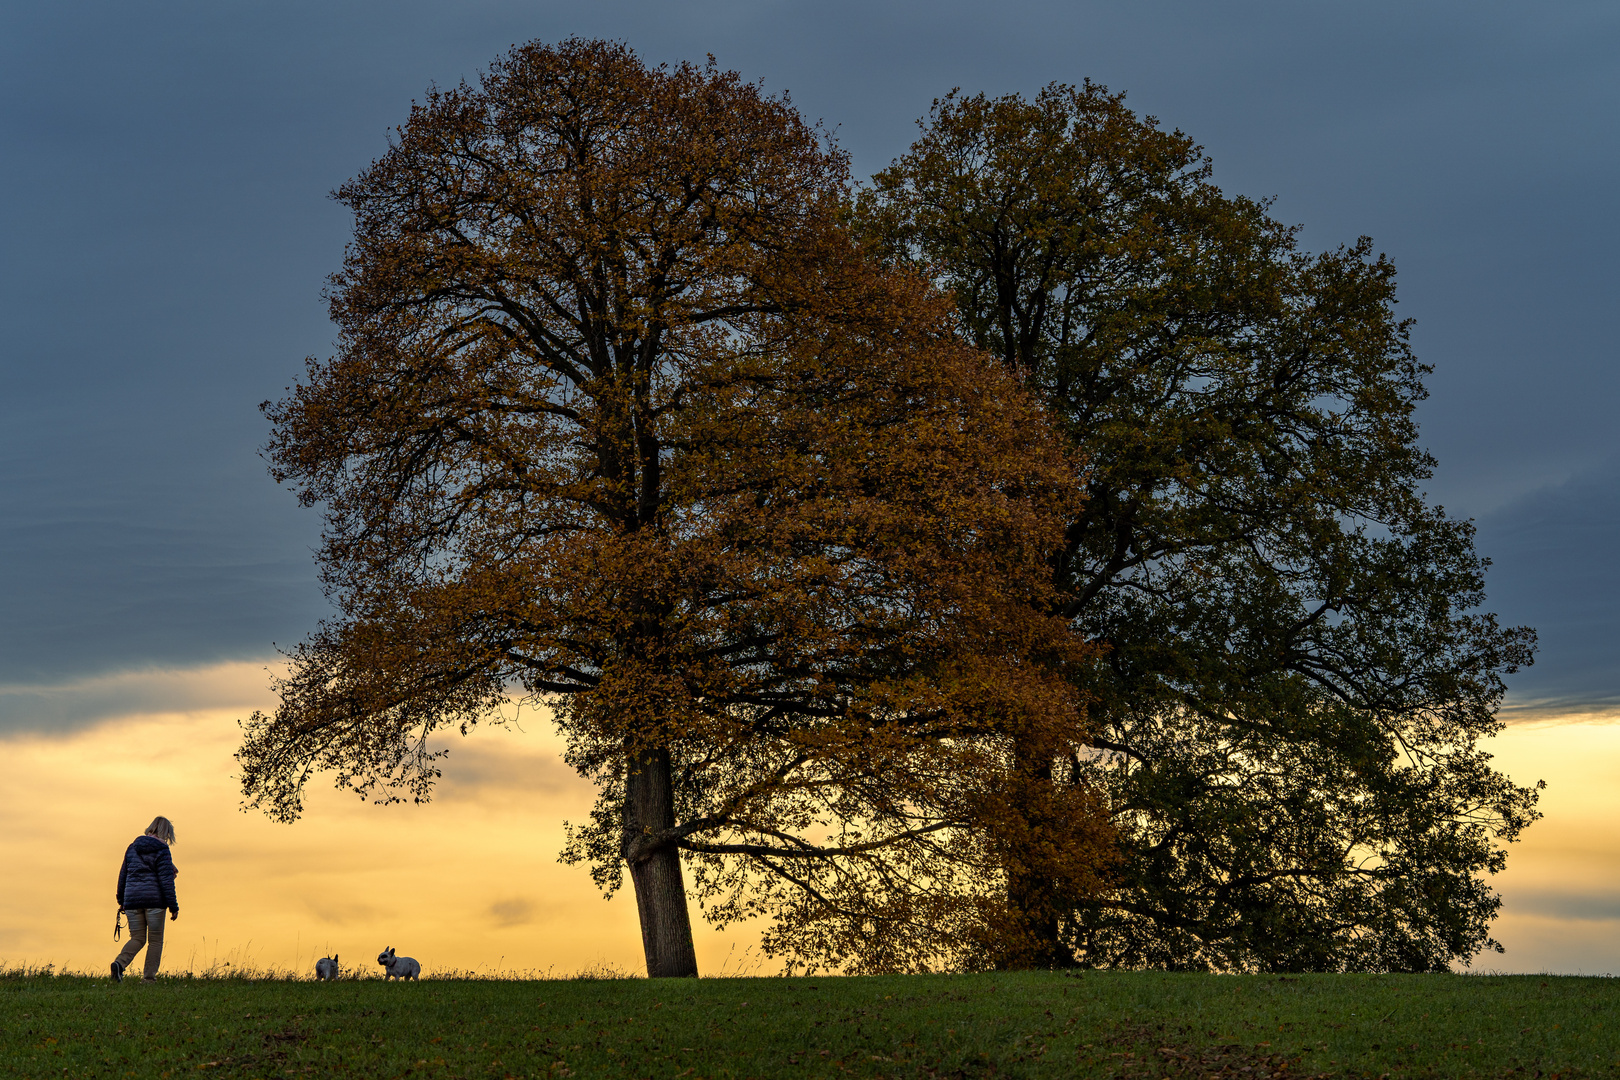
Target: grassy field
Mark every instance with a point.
(1092, 1024)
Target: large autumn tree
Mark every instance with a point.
(622, 420)
(1298, 675)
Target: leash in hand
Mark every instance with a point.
(118, 923)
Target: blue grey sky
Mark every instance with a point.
(164, 171)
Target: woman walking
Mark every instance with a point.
(145, 888)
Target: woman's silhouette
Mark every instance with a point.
(145, 888)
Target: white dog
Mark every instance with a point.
(398, 967)
(326, 968)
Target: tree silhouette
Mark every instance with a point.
(1296, 677)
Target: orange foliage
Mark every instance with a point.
(622, 420)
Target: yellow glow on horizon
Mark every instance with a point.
(471, 880)
(1561, 888)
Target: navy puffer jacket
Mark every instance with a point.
(146, 879)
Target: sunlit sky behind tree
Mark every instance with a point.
(167, 230)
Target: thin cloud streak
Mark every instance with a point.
(71, 705)
(1572, 907)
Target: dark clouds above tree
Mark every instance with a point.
(167, 232)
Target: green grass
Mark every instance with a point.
(1093, 1024)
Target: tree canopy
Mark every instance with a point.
(622, 419)
(1296, 674)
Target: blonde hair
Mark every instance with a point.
(162, 828)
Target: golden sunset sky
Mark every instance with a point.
(472, 881)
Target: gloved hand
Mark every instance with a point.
(174, 913)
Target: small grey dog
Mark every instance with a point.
(398, 967)
(326, 968)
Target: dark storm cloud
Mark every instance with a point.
(1554, 569)
(166, 233)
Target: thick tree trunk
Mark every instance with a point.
(1031, 898)
(1039, 946)
(666, 926)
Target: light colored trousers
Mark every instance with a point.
(145, 928)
